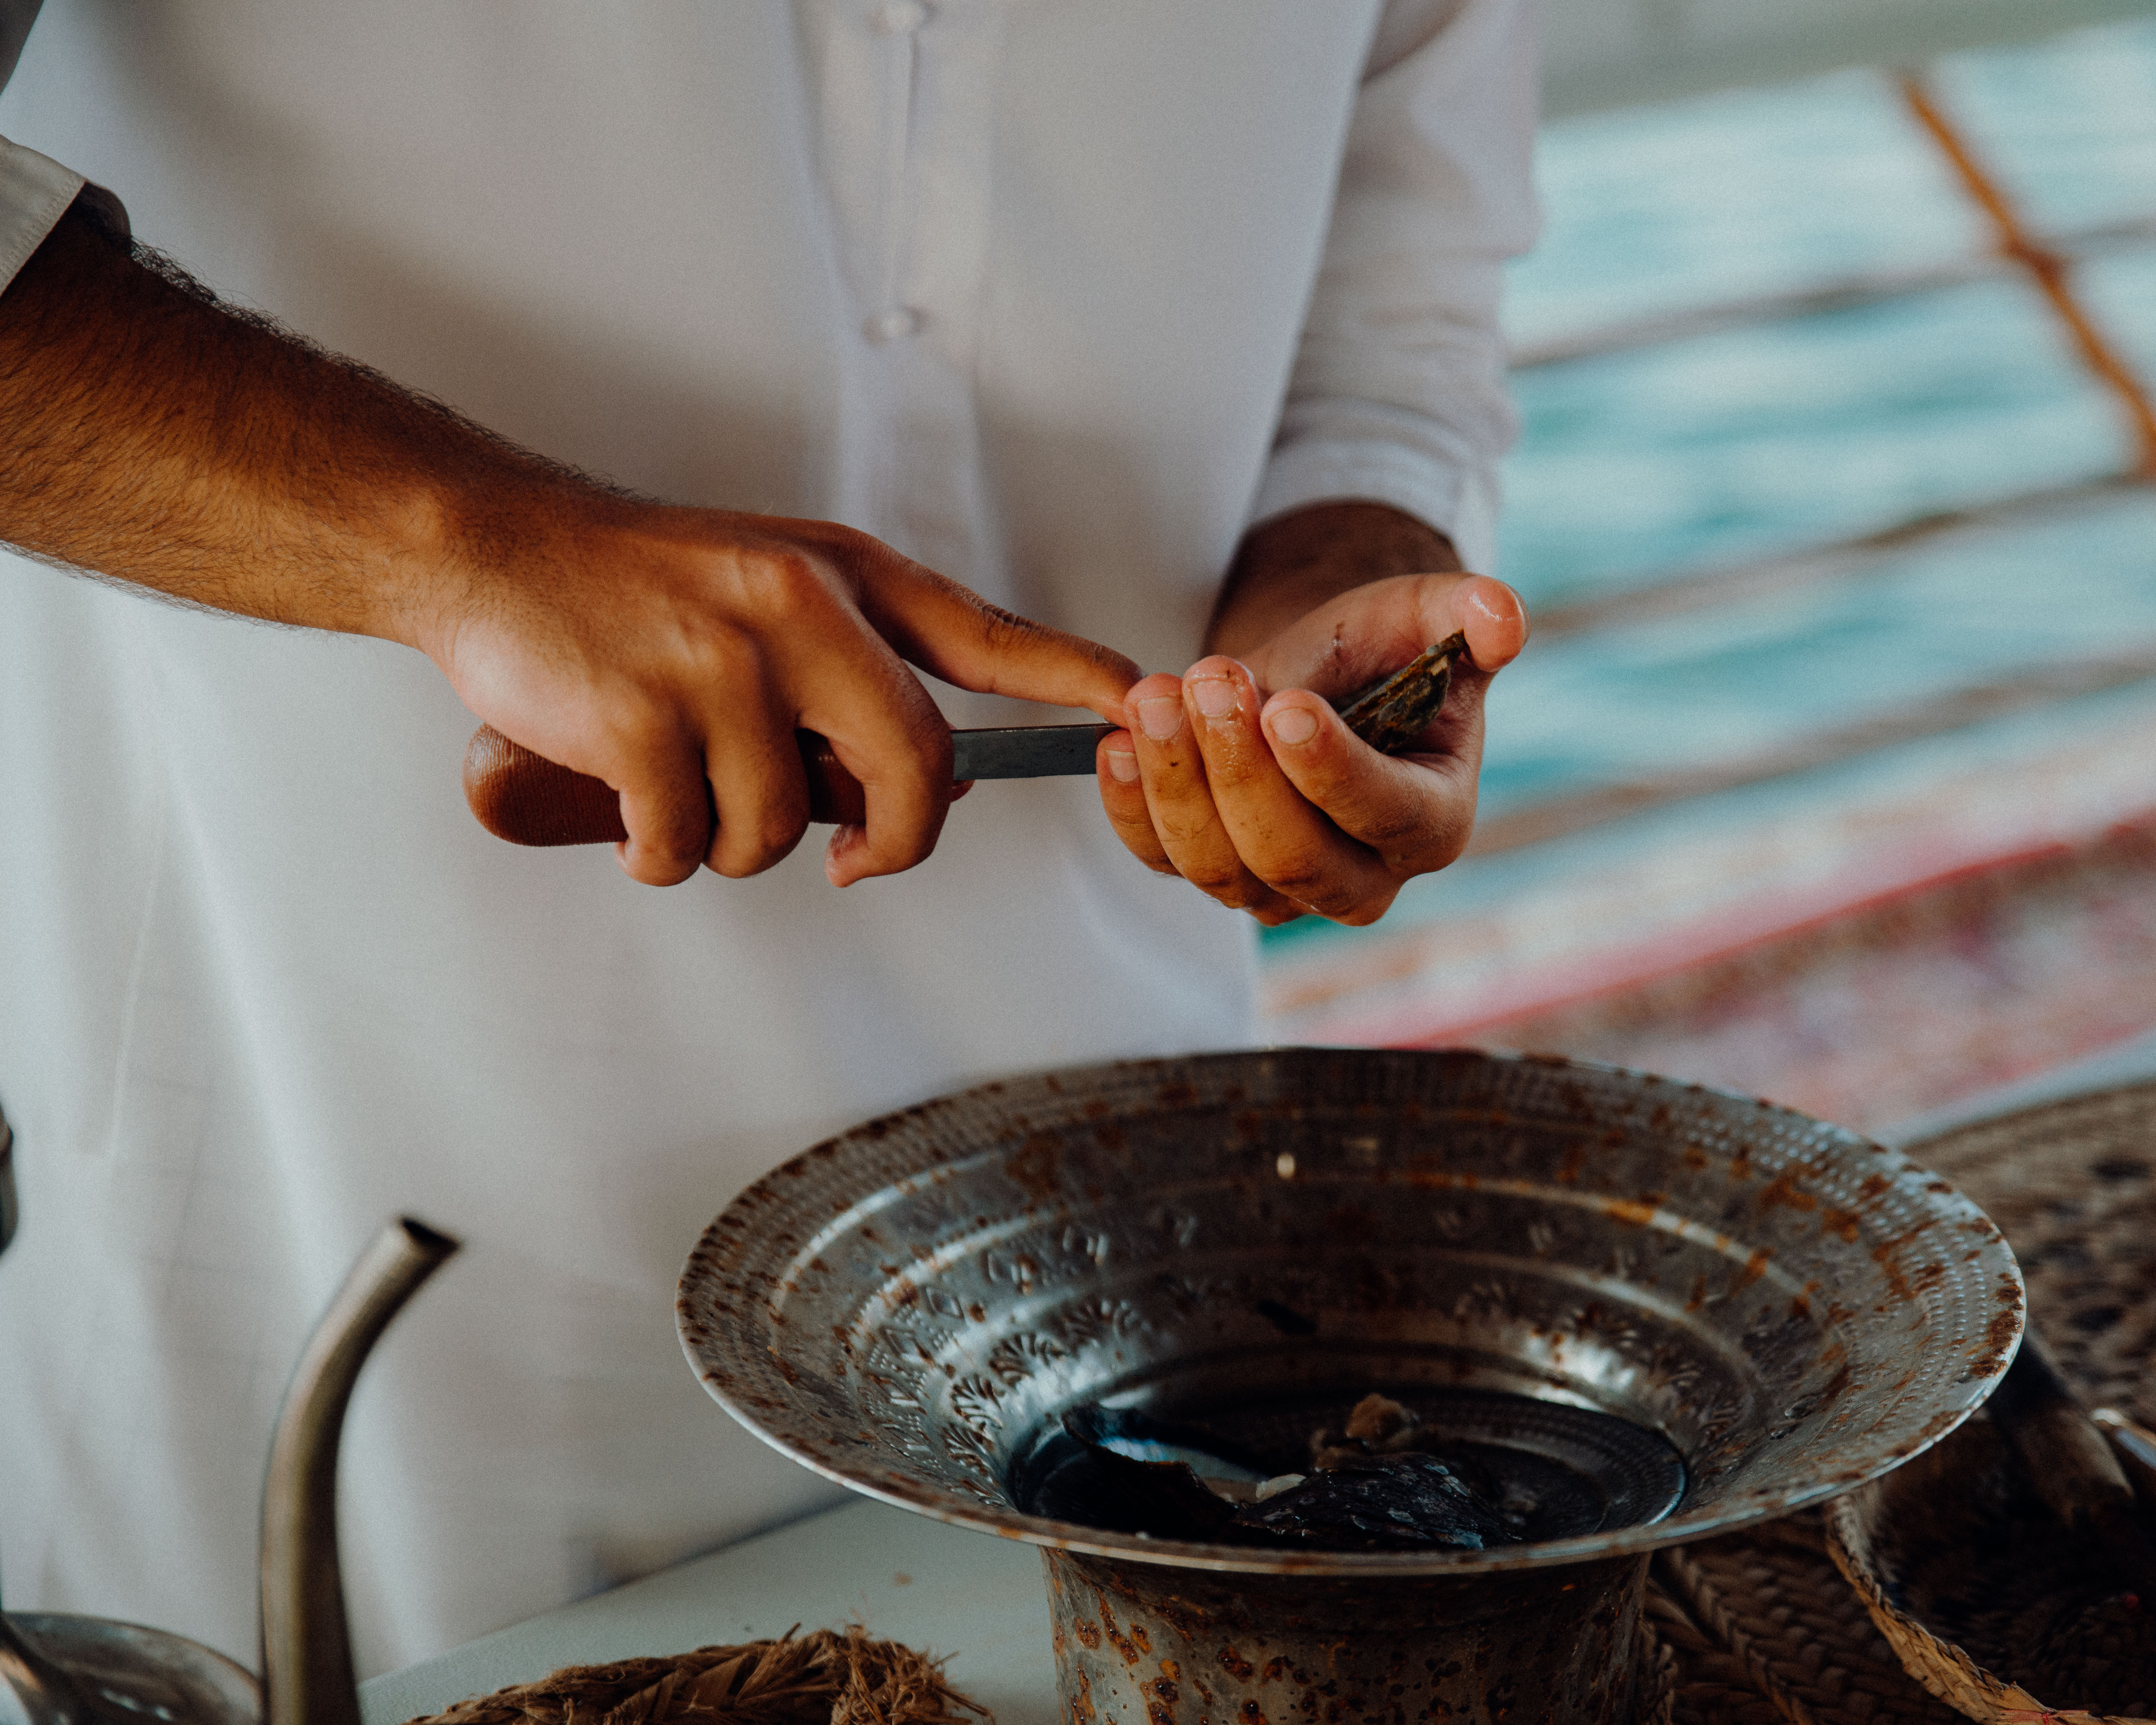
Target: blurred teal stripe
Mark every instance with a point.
(1761, 442)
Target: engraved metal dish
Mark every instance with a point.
(1781, 1307)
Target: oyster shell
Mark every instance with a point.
(1391, 714)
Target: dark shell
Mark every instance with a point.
(1083, 1478)
(1128, 1472)
(1391, 714)
(1382, 1503)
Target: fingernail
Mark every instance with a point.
(1216, 696)
(1294, 725)
(1161, 717)
(1122, 766)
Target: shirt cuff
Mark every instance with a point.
(1458, 498)
(34, 194)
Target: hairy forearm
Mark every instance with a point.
(1287, 566)
(150, 436)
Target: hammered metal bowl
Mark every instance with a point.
(906, 1309)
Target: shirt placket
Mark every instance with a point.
(908, 108)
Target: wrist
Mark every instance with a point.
(470, 539)
(1292, 563)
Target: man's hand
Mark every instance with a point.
(661, 650)
(150, 436)
(1241, 777)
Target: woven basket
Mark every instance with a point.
(1986, 1599)
(1968, 1574)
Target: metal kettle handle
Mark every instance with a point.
(307, 1674)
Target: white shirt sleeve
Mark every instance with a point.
(34, 194)
(1397, 392)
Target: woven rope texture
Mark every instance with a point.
(825, 1678)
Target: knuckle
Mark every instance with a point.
(1300, 874)
(666, 830)
(679, 860)
(1187, 829)
(1002, 630)
(1358, 916)
(739, 854)
(1345, 908)
(1211, 879)
(1139, 838)
(642, 730)
(917, 830)
(843, 541)
(1231, 887)
(722, 658)
(1395, 829)
(1429, 848)
(1311, 878)
(1231, 770)
(657, 865)
(931, 737)
(783, 581)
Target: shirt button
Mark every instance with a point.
(894, 324)
(899, 17)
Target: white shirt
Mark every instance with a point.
(1058, 299)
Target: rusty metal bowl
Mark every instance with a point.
(1782, 1308)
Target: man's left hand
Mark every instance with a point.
(1239, 775)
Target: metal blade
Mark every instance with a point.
(1025, 752)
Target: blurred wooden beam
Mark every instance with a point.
(2046, 266)
(2099, 240)
(1652, 600)
(2040, 686)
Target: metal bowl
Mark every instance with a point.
(130, 1672)
(1236, 1238)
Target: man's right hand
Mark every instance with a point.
(149, 436)
(662, 648)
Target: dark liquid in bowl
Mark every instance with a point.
(1557, 1472)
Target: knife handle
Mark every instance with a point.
(529, 799)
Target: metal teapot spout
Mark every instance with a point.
(307, 1676)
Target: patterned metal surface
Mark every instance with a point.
(1136, 1642)
(906, 1308)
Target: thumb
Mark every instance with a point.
(1494, 618)
(1368, 633)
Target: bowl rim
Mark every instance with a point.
(1738, 1511)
